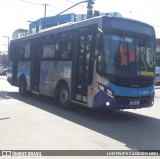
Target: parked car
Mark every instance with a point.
(1, 69)
(157, 78)
(4, 73)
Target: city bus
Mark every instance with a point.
(157, 78)
(102, 62)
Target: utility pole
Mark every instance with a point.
(89, 8)
(45, 9)
(7, 37)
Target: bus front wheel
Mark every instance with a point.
(23, 87)
(64, 97)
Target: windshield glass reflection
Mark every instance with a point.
(126, 56)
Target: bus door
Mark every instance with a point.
(37, 50)
(14, 55)
(84, 63)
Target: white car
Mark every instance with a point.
(157, 78)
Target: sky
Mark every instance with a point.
(14, 14)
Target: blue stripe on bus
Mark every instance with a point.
(130, 92)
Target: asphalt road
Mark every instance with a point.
(38, 123)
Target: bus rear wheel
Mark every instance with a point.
(23, 87)
(64, 97)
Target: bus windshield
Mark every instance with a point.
(126, 56)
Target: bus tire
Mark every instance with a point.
(23, 87)
(64, 97)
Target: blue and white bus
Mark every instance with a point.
(157, 78)
(103, 62)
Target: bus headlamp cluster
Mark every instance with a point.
(101, 87)
(105, 89)
(110, 92)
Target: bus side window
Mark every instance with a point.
(27, 50)
(49, 47)
(64, 46)
(21, 50)
(12, 52)
(101, 63)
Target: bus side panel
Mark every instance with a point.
(92, 89)
(50, 73)
(24, 68)
(9, 72)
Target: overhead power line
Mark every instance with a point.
(72, 7)
(41, 4)
(55, 7)
(75, 3)
(45, 5)
(146, 16)
(156, 25)
(145, 7)
(30, 2)
(80, 5)
(16, 10)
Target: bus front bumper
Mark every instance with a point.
(102, 100)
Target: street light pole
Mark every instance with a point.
(45, 9)
(7, 40)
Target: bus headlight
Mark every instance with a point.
(109, 92)
(101, 87)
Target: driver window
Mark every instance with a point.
(101, 63)
(149, 59)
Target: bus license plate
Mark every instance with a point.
(134, 102)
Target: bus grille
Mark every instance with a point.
(133, 83)
(126, 101)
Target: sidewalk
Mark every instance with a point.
(157, 87)
(3, 77)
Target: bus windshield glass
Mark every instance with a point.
(126, 56)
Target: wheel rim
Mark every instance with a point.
(64, 95)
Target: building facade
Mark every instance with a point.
(19, 33)
(47, 22)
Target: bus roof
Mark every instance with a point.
(75, 25)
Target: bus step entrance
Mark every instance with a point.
(80, 98)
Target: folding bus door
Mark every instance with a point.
(84, 63)
(37, 50)
(15, 54)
